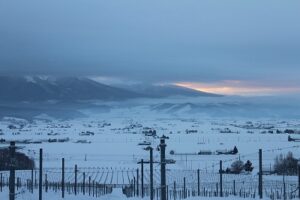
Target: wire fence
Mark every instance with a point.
(181, 184)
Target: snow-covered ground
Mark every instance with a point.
(109, 141)
(115, 195)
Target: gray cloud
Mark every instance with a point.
(166, 40)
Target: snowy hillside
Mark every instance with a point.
(39, 88)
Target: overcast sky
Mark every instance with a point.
(255, 41)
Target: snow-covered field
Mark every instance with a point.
(109, 142)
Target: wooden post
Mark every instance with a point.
(174, 193)
(151, 173)
(83, 184)
(184, 188)
(12, 150)
(163, 168)
(75, 184)
(198, 178)
(167, 188)
(32, 181)
(93, 188)
(41, 176)
(260, 173)
(89, 186)
(284, 188)
(299, 179)
(134, 191)
(17, 183)
(221, 179)
(234, 188)
(63, 178)
(1, 183)
(137, 182)
(142, 177)
(46, 183)
(35, 178)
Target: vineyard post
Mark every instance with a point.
(46, 183)
(184, 188)
(1, 183)
(17, 183)
(134, 185)
(89, 186)
(35, 180)
(198, 178)
(142, 177)
(83, 185)
(137, 182)
(12, 174)
(233, 187)
(75, 184)
(167, 188)
(163, 168)
(63, 178)
(299, 179)
(151, 173)
(174, 194)
(284, 188)
(32, 182)
(260, 173)
(93, 187)
(41, 176)
(221, 179)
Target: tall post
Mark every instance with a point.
(137, 182)
(75, 185)
(198, 178)
(284, 188)
(41, 176)
(151, 173)
(260, 173)
(89, 186)
(134, 191)
(1, 182)
(35, 180)
(234, 193)
(63, 178)
(46, 183)
(32, 181)
(12, 150)
(83, 183)
(299, 179)
(174, 194)
(142, 177)
(184, 188)
(221, 179)
(163, 168)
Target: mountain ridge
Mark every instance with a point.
(14, 88)
(47, 88)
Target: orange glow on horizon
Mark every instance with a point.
(235, 87)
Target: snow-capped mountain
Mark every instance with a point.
(43, 88)
(38, 88)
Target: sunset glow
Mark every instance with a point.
(236, 87)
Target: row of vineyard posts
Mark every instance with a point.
(164, 192)
(91, 188)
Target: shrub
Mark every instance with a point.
(248, 166)
(237, 166)
(22, 161)
(286, 164)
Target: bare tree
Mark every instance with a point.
(286, 164)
